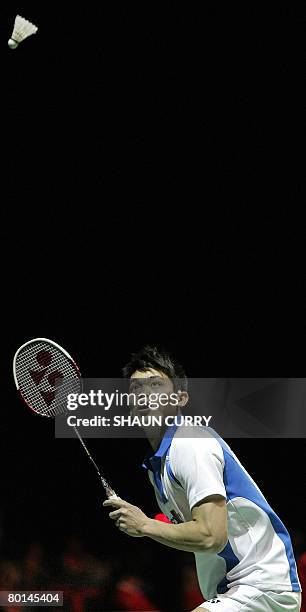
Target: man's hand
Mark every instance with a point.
(129, 518)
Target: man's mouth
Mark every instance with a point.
(144, 408)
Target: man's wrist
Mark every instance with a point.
(146, 529)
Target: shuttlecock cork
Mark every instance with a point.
(22, 29)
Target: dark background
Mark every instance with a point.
(151, 183)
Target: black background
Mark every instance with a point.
(151, 183)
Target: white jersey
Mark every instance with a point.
(192, 463)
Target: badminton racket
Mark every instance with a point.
(44, 374)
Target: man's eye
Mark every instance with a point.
(134, 388)
(156, 383)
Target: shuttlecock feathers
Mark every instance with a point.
(22, 29)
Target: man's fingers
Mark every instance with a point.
(120, 524)
(115, 514)
(116, 503)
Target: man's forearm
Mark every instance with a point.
(188, 537)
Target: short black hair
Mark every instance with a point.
(158, 359)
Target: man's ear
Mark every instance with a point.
(183, 398)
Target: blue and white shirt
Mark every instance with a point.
(193, 463)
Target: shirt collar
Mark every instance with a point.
(153, 462)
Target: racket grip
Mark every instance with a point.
(111, 494)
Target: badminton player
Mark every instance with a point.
(243, 551)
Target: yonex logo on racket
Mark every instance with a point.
(55, 378)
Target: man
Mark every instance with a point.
(243, 551)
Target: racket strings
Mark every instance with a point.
(45, 377)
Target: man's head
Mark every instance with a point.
(152, 371)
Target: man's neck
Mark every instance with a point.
(157, 438)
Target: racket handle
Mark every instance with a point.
(110, 494)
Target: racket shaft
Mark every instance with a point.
(108, 489)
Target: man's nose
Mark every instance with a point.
(145, 392)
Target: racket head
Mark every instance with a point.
(44, 375)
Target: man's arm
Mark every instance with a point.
(206, 532)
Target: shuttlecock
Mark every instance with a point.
(22, 29)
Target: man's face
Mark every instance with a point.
(154, 393)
